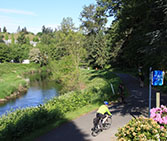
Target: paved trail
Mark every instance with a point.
(79, 129)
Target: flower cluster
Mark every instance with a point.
(159, 115)
(142, 129)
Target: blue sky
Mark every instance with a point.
(33, 14)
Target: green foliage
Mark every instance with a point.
(35, 39)
(19, 52)
(21, 122)
(5, 52)
(6, 37)
(11, 79)
(92, 22)
(141, 129)
(21, 39)
(35, 55)
(67, 25)
(64, 71)
(97, 50)
(138, 32)
(1, 39)
(13, 39)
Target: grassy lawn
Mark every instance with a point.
(11, 77)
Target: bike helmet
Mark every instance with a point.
(106, 102)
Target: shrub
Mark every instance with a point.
(142, 129)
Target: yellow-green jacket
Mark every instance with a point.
(103, 109)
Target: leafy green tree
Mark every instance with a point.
(21, 39)
(35, 55)
(67, 25)
(139, 32)
(19, 52)
(46, 39)
(5, 52)
(92, 22)
(97, 50)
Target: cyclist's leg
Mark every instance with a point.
(105, 116)
(100, 116)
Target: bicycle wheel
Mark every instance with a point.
(95, 132)
(107, 123)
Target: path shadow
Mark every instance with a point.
(138, 102)
(66, 132)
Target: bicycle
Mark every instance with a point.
(103, 124)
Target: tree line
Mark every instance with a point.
(136, 36)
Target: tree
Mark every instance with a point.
(139, 32)
(24, 30)
(46, 30)
(19, 52)
(91, 20)
(4, 29)
(5, 52)
(67, 25)
(35, 55)
(21, 39)
(18, 29)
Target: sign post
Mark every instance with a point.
(157, 99)
(157, 78)
(112, 89)
(150, 81)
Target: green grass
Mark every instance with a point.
(11, 77)
(100, 82)
(36, 121)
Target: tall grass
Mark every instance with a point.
(11, 77)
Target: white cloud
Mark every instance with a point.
(14, 11)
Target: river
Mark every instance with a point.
(41, 90)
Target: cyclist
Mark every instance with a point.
(101, 114)
(141, 76)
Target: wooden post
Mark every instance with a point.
(157, 99)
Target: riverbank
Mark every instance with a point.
(13, 83)
(31, 119)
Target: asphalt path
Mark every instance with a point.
(136, 104)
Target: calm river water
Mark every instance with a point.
(41, 90)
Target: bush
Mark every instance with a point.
(142, 129)
(22, 121)
(160, 115)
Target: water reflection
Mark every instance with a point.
(41, 90)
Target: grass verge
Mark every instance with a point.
(68, 117)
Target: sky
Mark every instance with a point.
(33, 14)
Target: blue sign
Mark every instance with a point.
(158, 78)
